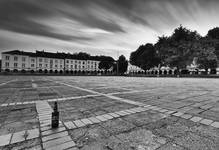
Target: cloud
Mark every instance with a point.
(100, 24)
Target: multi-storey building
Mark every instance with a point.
(46, 62)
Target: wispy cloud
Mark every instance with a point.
(112, 25)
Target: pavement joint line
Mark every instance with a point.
(54, 136)
(7, 82)
(48, 100)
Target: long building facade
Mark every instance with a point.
(40, 61)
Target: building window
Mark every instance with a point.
(23, 65)
(7, 64)
(23, 58)
(75, 61)
(75, 66)
(7, 57)
(15, 58)
(72, 61)
(56, 66)
(56, 61)
(15, 65)
(51, 61)
(79, 62)
(32, 60)
(32, 65)
(66, 66)
(45, 60)
(40, 60)
(60, 61)
(46, 65)
(67, 61)
(60, 66)
(40, 65)
(83, 62)
(71, 66)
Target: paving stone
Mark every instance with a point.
(121, 113)
(86, 121)
(4, 104)
(163, 110)
(177, 114)
(62, 146)
(94, 120)
(78, 123)
(130, 111)
(206, 106)
(52, 131)
(70, 125)
(107, 116)
(170, 112)
(17, 137)
(206, 121)
(114, 115)
(134, 110)
(196, 119)
(215, 124)
(45, 122)
(36, 147)
(156, 108)
(5, 139)
(186, 116)
(34, 133)
(101, 118)
(54, 136)
(55, 142)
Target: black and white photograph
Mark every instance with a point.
(109, 74)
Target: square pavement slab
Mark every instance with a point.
(5, 139)
(18, 137)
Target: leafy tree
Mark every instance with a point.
(105, 65)
(177, 50)
(145, 57)
(206, 57)
(213, 33)
(122, 65)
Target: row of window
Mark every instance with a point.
(51, 61)
(46, 65)
(15, 58)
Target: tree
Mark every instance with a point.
(122, 65)
(207, 58)
(178, 49)
(105, 65)
(145, 57)
(213, 33)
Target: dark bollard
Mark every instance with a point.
(55, 116)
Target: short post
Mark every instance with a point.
(55, 116)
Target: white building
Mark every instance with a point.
(46, 62)
(134, 69)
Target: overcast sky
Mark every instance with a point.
(104, 27)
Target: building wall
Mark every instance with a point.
(18, 62)
(81, 65)
(28, 63)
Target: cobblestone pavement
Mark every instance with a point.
(109, 113)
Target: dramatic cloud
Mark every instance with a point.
(98, 26)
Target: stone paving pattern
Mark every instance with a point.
(179, 113)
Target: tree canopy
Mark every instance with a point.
(145, 57)
(122, 65)
(179, 49)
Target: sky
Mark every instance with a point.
(107, 27)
